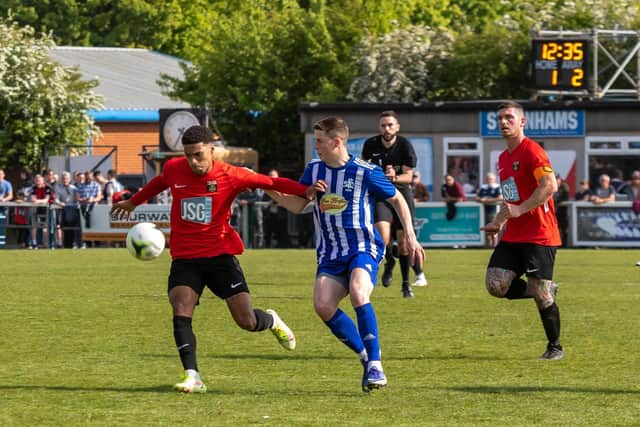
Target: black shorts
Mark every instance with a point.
(525, 258)
(384, 211)
(222, 275)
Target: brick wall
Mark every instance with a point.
(129, 138)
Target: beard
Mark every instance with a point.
(388, 137)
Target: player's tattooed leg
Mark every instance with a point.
(498, 280)
(540, 290)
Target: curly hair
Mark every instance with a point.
(196, 134)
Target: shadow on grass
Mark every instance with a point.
(299, 356)
(168, 389)
(153, 389)
(228, 356)
(532, 389)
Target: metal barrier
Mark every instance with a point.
(607, 225)
(18, 217)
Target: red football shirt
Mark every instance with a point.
(518, 181)
(201, 206)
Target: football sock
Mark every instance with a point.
(404, 267)
(417, 268)
(368, 327)
(185, 341)
(550, 317)
(263, 320)
(345, 330)
(390, 261)
(193, 373)
(517, 289)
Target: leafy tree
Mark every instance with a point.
(132, 23)
(489, 51)
(400, 66)
(502, 71)
(42, 104)
(262, 60)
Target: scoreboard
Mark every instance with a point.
(560, 64)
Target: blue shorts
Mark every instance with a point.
(340, 269)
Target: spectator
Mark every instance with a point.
(66, 196)
(164, 197)
(111, 187)
(604, 193)
(452, 193)
(96, 184)
(41, 193)
(490, 195)
(54, 231)
(635, 185)
(469, 186)
(6, 195)
(634, 190)
(21, 218)
(620, 186)
(97, 177)
(584, 192)
(275, 220)
(562, 212)
(420, 191)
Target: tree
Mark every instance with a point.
(133, 23)
(42, 104)
(261, 61)
(400, 66)
(501, 71)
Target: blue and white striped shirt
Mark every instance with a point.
(343, 216)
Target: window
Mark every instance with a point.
(463, 160)
(611, 156)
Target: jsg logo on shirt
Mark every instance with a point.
(510, 190)
(196, 209)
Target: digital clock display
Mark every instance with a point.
(560, 64)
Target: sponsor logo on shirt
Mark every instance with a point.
(510, 190)
(333, 204)
(196, 209)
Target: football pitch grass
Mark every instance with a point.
(87, 340)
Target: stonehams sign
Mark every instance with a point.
(540, 123)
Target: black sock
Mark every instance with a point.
(517, 289)
(185, 341)
(264, 320)
(550, 317)
(404, 267)
(417, 268)
(390, 261)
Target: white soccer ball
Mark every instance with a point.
(145, 242)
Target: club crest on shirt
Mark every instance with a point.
(349, 184)
(212, 186)
(516, 165)
(333, 204)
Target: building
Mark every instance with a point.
(128, 81)
(583, 138)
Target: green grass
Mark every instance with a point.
(86, 340)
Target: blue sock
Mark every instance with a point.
(345, 330)
(368, 327)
